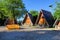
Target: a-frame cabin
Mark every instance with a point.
(28, 20)
(57, 23)
(45, 19)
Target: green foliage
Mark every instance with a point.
(34, 12)
(57, 11)
(12, 8)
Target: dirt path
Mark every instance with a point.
(27, 29)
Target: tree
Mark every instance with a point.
(34, 12)
(57, 11)
(12, 8)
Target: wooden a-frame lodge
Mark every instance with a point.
(45, 19)
(29, 19)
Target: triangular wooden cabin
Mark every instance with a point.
(45, 19)
(29, 20)
(57, 23)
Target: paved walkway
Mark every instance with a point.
(30, 34)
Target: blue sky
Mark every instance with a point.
(39, 4)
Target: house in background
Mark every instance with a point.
(45, 19)
(29, 20)
(57, 23)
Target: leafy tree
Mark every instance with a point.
(12, 8)
(34, 12)
(57, 11)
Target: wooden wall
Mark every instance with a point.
(41, 20)
(28, 21)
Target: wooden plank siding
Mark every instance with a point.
(28, 21)
(41, 20)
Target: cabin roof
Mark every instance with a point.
(32, 18)
(48, 16)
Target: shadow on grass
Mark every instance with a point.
(30, 35)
